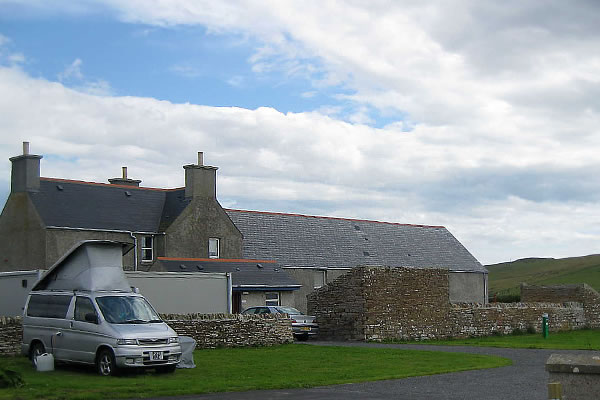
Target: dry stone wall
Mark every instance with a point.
(209, 330)
(11, 332)
(379, 303)
(581, 293)
(232, 330)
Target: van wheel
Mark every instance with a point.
(37, 349)
(105, 363)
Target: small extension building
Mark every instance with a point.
(273, 257)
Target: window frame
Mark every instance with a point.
(267, 300)
(144, 248)
(320, 275)
(218, 242)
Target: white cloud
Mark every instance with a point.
(72, 71)
(236, 81)
(499, 98)
(73, 76)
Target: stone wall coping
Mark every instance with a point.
(221, 317)
(574, 363)
(492, 306)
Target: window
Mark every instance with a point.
(319, 279)
(213, 248)
(83, 306)
(271, 298)
(48, 306)
(147, 248)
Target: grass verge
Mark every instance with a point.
(586, 339)
(287, 366)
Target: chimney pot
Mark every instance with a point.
(200, 158)
(124, 172)
(25, 148)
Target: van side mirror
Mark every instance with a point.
(91, 317)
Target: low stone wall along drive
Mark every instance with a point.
(209, 330)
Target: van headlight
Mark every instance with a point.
(126, 341)
(173, 340)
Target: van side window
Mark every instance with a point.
(48, 306)
(83, 306)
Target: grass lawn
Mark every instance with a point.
(286, 366)
(587, 339)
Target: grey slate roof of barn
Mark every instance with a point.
(301, 241)
(244, 274)
(77, 204)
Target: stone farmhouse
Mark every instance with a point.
(274, 258)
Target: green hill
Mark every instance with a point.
(505, 278)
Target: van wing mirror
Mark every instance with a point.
(91, 317)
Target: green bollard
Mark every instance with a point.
(545, 325)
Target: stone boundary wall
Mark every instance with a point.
(232, 330)
(379, 303)
(11, 333)
(209, 330)
(581, 293)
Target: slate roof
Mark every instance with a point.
(302, 240)
(245, 274)
(77, 204)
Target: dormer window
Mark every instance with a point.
(147, 248)
(213, 248)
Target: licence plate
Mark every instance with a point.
(156, 355)
(305, 328)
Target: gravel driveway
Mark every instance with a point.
(526, 379)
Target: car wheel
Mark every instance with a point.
(302, 338)
(37, 349)
(166, 369)
(105, 363)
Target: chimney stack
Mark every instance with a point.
(25, 174)
(200, 179)
(124, 180)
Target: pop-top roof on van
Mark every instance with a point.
(89, 265)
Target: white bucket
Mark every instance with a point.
(45, 362)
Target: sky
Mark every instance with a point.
(481, 116)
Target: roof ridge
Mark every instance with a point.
(239, 260)
(335, 218)
(108, 184)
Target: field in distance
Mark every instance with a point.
(505, 278)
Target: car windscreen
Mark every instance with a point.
(127, 310)
(288, 310)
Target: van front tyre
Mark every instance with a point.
(37, 349)
(105, 363)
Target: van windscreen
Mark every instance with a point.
(48, 306)
(127, 310)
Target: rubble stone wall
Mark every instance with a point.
(381, 303)
(11, 333)
(581, 293)
(232, 330)
(209, 330)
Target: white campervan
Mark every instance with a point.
(84, 311)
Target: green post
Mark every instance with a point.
(545, 325)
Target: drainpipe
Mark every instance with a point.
(135, 251)
(229, 293)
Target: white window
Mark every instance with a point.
(271, 298)
(213, 248)
(147, 248)
(319, 279)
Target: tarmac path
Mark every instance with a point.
(526, 379)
